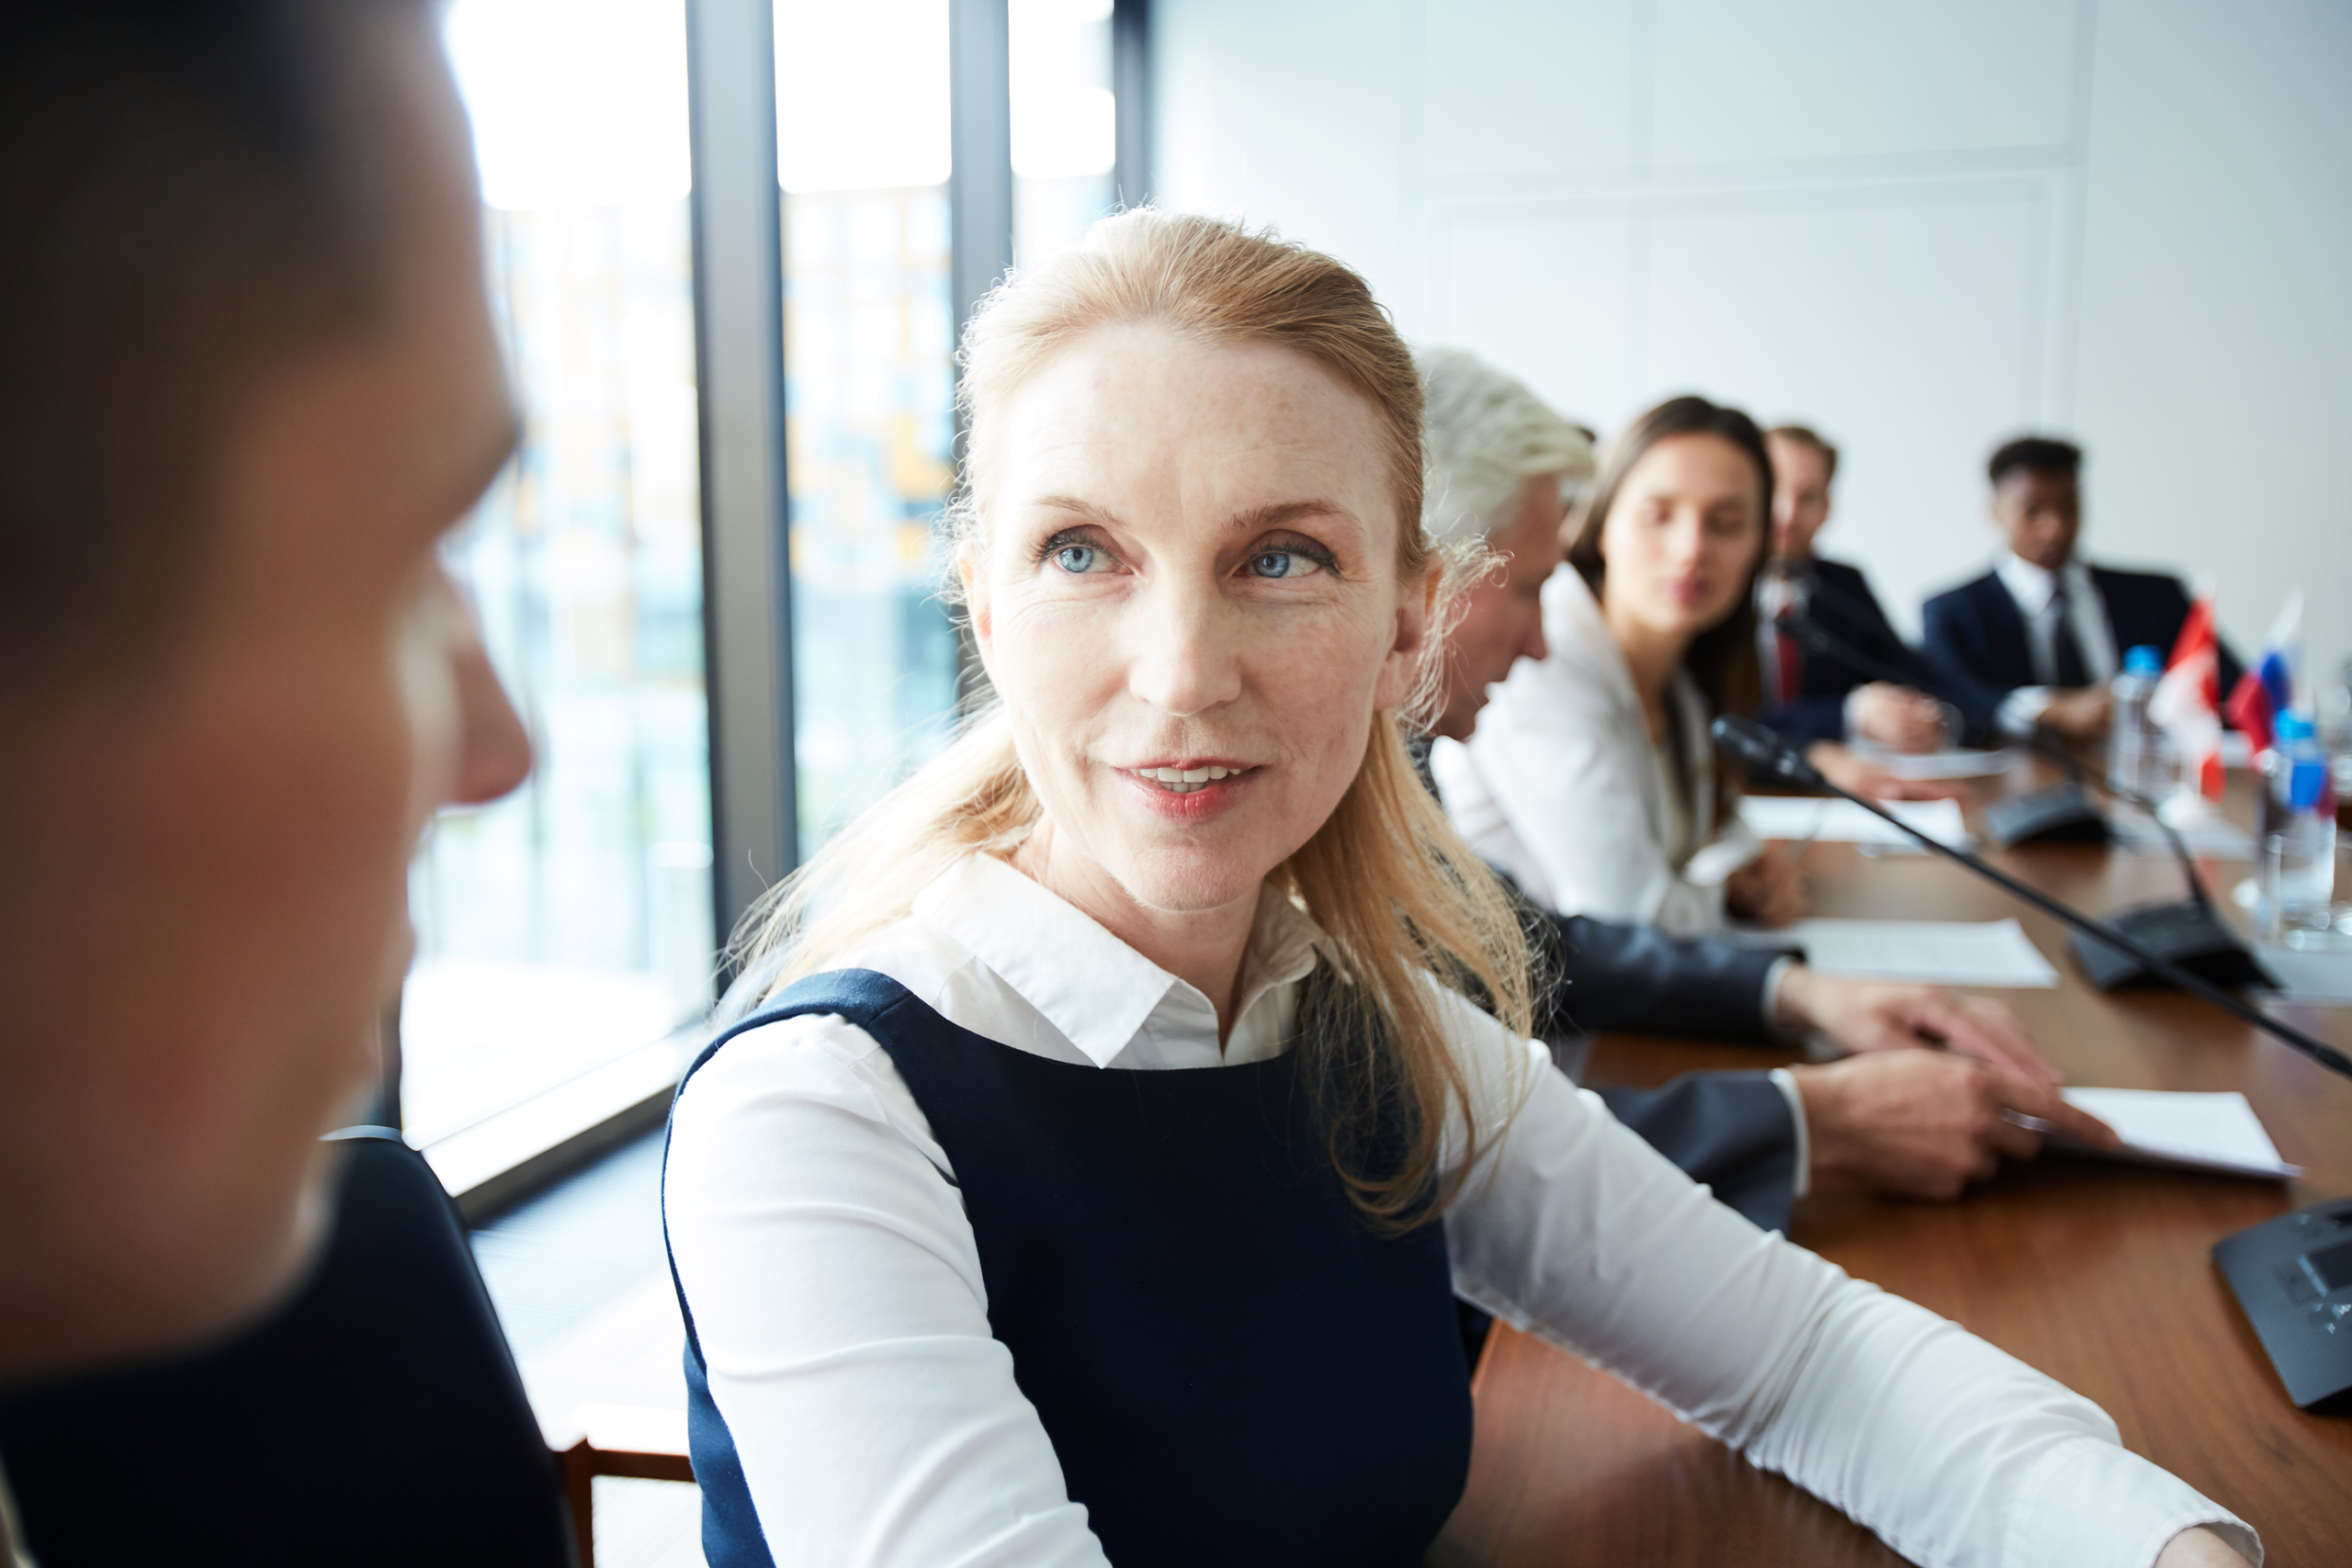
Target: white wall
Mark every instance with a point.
(1922, 227)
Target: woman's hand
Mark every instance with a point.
(1768, 890)
(2199, 1548)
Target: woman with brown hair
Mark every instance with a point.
(1097, 1187)
(1591, 779)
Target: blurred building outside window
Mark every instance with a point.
(863, 154)
(570, 923)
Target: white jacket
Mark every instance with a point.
(1561, 788)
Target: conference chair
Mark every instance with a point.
(377, 1418)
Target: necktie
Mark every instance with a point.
(2065, 653)
(1787, 669)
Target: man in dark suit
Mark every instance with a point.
(1903, 1119)
(2043, 630)
(251, 378)
(1816, 699)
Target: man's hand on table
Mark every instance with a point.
(1862, 1016)
(1925, 1123)
(2078, 712)
(1849, 769)
(1898, 718)
(1904, 1116)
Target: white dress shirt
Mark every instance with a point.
(838, 1294)
(2035, 590)
(1561, 788)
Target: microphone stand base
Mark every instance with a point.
(2294, 1278)
(2188, 933)
(2060, 814)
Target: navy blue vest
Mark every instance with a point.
(1232, 1366)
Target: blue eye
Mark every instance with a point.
(1078, 559)
(1278, 563)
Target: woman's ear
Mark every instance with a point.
(976, 600)
(1417, 614)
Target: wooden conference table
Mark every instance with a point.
(2098, 1274)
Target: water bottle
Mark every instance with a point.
(2299, 859)
(2135, 745)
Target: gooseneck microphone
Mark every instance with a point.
(1765, 753)
(2190, 932)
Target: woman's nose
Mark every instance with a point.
(1183, 658)
(495, 754)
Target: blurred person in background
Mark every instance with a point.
(1591, 781)
(247, 382)
(1900, 1117)
(1813, 698)
(2044, 630)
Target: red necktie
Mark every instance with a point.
(1791, 673)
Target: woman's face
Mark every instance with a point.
(1681, 536)
(1187, 595)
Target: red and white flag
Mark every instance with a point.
(2187, 702)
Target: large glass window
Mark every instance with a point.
(863, 154)
(1065, 122)
(570, 923)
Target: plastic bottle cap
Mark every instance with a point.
(2291, 726)
(2144, 660)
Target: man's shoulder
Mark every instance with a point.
(2146, 582)
(1974, 589)
(1839, 574)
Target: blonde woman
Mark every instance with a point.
(1098, 1185)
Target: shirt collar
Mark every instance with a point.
(1096, 989)
(2031, 586)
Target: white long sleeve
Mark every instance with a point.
(838, 1294)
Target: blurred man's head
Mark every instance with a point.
(1502, 468)
(2037, 498)
(1803, 466)
(247, 381)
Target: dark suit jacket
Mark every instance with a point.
(1975, 629)
(1842, 604)
(1732, 1130)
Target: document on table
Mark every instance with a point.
(1947, 953)
(2198, 1132)
(1801, 816)
(1961, 763)
(2324, 979)
(2209, 837)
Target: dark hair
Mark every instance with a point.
(1722, 659)
(2035, 454)
(1803, 435)
(188, 198)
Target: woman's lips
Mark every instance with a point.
(1184, 778)
(1190, 789)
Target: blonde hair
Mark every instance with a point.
(1404, 901)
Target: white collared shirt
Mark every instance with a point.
(2035, 590)
(838, 1295)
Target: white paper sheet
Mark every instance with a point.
(1959, 763)
(2320, 978)
(1947, 953)
(1800, 817)
(2209, 837)
(2206, 1131)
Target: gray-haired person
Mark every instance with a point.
(1915, 1107)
